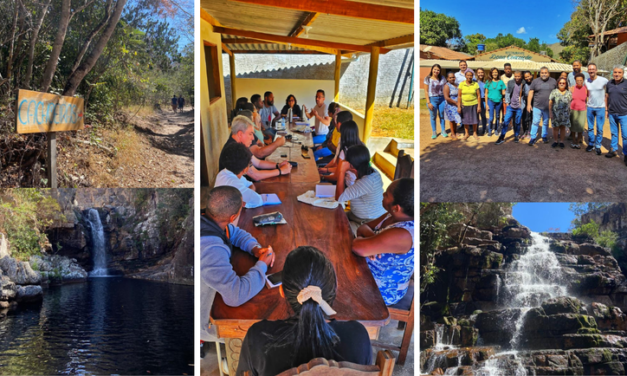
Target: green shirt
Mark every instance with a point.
(495, 90)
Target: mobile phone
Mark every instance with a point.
(274, 280)
(294, 164)
(283, 155)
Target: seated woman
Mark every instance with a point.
(309, 286)
(290, 102)
(325, 151)
(366, 193)
(348, 138)
(388, 242)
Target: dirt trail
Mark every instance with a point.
(157, 150)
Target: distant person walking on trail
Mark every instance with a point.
(578, 110)
(617, 110)
(495, 90)
(468, 104)
(450, 92)
(434, 84)
(538, 99)
(515, 95)
(482, 103)
(181, 103)
(596, 108)
(576, 70)
(559, 111)
(175, 103)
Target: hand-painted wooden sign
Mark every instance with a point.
(42, 112)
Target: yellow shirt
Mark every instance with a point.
(335, 139)
(469, 93)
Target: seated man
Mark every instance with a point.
(218, 235)
(258, 148)
(242, 132)
(388, 242)
(236, 158)
(268, 131)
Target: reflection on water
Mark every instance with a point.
(103, 326)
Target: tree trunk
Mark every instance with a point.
(12, 46)
(79, 74)
(90, 37)
(51, 66)
(33, 43)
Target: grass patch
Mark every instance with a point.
(140, 111)
(393, 122)
(128, 145)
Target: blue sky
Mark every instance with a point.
(544, 217)
(531, 19)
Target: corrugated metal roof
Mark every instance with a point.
(619, 30)
(532, 66)
(259, 46)
(443, 52)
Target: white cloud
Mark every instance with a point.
(521, 31)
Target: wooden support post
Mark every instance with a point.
(338, 71)
(372, 89)
(232, 64)
(51, 164)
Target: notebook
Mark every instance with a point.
(270, 199)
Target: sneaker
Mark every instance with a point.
(577, 146)
(444, 134)
(433, 136)
(598, 150)
(532, 142)
(500, 140)
(573, 146)
(545, 140)
(516, 139)
(554, 145)
(561, 145)
(490, 133)
(590, 148)
(611, 154)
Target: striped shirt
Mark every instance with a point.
(366, 196)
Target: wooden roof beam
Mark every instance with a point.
(305, 43)
(286, 52)
(405, 39)
(299, 29)
(343, 8)
(226, 49)
(207, 17)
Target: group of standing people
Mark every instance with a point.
(574, 101)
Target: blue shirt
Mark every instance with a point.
(393, 271)
(481, 88)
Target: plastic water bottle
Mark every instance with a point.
(283, 122)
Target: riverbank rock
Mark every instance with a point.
(32, 293)
(19, 272)
(563, 304)
(58, 269)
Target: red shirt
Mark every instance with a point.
(580, 95)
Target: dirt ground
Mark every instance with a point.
(472, 171)
(155, 150)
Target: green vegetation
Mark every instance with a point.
(435, 218)
(438, 28)
(470, 43)
(393, 122)
(25, 214)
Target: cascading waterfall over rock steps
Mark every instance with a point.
(513, 302)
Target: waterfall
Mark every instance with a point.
(532, 279)
(98, 245)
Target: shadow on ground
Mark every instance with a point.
(471, 171)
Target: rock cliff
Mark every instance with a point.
(509, 301)
(148, 232)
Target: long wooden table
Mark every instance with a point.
(358, 297)
(306, 171)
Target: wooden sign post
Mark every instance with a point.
(48, 113)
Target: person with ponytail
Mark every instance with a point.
(309, 287)
(348, 138)
(388, 242)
